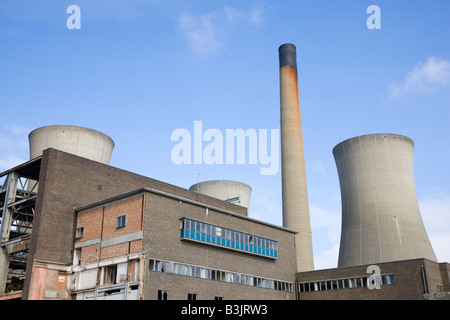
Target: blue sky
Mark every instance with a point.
(139, 69)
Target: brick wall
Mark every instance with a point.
(162, 241)
(409, 283)
(67, 181)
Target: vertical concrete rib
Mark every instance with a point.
(294, 190)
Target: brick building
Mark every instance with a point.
(93, 231)
(99, 231)
(147, 244)
(415, 279)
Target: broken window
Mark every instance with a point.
(79, 232)
(77, 257)
(110, 274)
(162, 295)
(192, 296)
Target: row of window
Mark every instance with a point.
(359, 282)
(212, 234)
(164, 295)
(219, 275)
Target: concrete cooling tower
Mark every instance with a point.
(381, 220)
(230, 191)
(83, 142)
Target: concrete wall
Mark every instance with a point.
(80, 141)
(381, 220)
(225, 190)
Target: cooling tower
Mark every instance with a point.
(83, 142)
(294, 191)
(230, 191)
(381, 220)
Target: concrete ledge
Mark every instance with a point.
(437, 296)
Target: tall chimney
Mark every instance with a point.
(295, 194)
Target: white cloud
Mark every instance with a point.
(201, 33)
(209, 32)
(256, 14)
(232, 14)
(428, 77)
(436, 217)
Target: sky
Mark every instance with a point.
(139, 70)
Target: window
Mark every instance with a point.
(162, 295)
(358, 283)
(217, 275)
(346, 283)
(334, 285)
(387, 279)
(439, 287)
(110, 274)
(79, 232)
(77, 257)
(121, 220)
(233, 239)
(218, 298)
(192, 296)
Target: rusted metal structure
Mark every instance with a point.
(17, 211)
(294, 189)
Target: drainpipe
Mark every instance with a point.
(424, 279)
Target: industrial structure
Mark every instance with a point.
(381, 219)
(412, 279)
(293, 171)
(385, 252)
(83, 142)
(226, 190)
(118, 235)
(75, 227)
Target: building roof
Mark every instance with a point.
(142, 190)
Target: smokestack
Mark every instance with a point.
(381, 220)
(295, 194)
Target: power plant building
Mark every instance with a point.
(73, 227)
(118, 235)
(384, 252)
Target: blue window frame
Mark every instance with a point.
(228, 238)
(121, 221)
